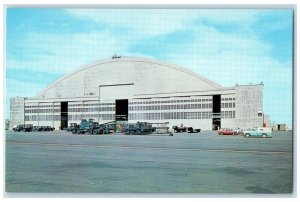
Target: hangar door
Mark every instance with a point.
(216, 119)
(63, 115)
(116, 91)
(122, 110)
(121, 93)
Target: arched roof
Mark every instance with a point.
(121, 60)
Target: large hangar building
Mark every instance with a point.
(131, 89)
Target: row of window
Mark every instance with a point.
(228, 105)
(169, 101)
(96, 117)
(95, 104)
(133, 108)
(170, 107)
(134, 116)
(70, 117)
(29, 111)
(42, 106)
(95, 109)
(42, 118)
(179, 115)
(131, 103)
(228, 114)
(170, 115)
(225, 99)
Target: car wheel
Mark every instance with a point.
(247, 135)
(264, 135)
(221, 133)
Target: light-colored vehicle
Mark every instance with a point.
(258, 132)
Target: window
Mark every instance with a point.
(230, 114)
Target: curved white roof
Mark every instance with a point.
(147, 75)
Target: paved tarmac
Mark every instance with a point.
(203, 163)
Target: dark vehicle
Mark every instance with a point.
(139, 128)
(192, 130)
(36, 129)
(42, 128)
(179, 129)
(49, 128)
(112, 126)
(73, 128)
(23, 127)
(88, 126)
(182, 128)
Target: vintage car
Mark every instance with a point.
(258, 132)
(226, 131)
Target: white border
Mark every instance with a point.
(159, 3)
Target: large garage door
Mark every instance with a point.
(121, 110)
(63, 115)
(216, 119)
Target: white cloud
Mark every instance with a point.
(153, 22)
(141, 22)
(65, 52)
(229, 59)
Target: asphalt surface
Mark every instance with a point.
(60, 162)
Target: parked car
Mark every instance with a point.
(226, 131)
(23, 127)
(49, 128)
(258, 132)
(36, 129)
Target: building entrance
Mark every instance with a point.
(63, 115)
(121, 114)
(216, 118)
(121, 110)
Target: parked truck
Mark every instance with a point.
(89, 126)
(139, 128)
(258, 132)
(181, 128)
(23, 127)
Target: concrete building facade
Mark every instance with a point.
(131, 89)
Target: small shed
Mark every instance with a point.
(281, 127)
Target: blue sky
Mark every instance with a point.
(228, 46)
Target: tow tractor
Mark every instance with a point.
(139, 128)
(181, 128)
(90, 127)
(146, 128)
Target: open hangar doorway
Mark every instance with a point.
(216, 107)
